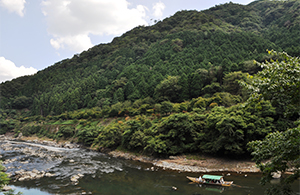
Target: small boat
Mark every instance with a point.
(210, 180)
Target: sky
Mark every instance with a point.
(35, 34)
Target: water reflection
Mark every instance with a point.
(106, 175)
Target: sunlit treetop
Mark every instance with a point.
(279, 82)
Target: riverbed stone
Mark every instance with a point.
(75, 178)
(35, 171)
(3, 137)
(20, 136)
(49, 174)
(276, 175)
(6, 188)
(70, 145)
(22, 175)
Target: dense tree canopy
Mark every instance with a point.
(198, 48)
(282, 151)
(174, 87)
(278, 82)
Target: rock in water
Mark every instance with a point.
(276, 175)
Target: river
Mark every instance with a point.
(102, 174)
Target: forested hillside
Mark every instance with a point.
(199, 48)
(178, 78)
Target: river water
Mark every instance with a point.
(109, 176)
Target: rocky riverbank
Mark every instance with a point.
(42, 141)
(202, 164)
(24, 175)
(181, 163)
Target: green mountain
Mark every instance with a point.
(180, 58)
(170, 88)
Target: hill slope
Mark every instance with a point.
(196, 48)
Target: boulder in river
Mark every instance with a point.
(276, 175)
(22, 175)
(75, 178)
(6, 188)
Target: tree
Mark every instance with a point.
(230, 82)
(177, 134)
(282, 151)
(169, 88)
(279, 82)
(183, 82)
(119, 95)
(166, 107)
(230, 129)
(110, 136)
(212, 88)
(21, 102)
(129, 89)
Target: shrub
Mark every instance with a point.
(31, 130)
(110, 136)
(87, 135)
(66, 131)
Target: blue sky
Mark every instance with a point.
(35, 34)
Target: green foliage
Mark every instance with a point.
(7, 125)
(201, 103)
(134, 136)
(282, 151)
(221, 99)
(21, 102)
(176, 134)
(31, 130)
(166, 107)
(110, 136)
(4, 180)
(228, 130)
(66, 131)
(87, 135)
(168, 89)
(231, 82)
(212, 88)
(137, 64)
(278, 82)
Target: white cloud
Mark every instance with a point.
(77, 43)
(71, 22)
(8, 70)
(158, 9)
(14, 6)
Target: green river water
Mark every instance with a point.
(111, 176)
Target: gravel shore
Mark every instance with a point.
(183, 163)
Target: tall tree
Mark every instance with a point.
(169, 88)
(282, 151)
(231, 82)
(278, 82)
